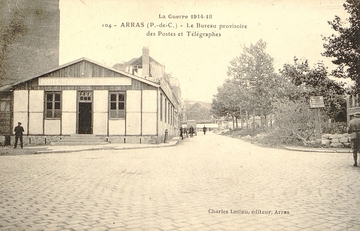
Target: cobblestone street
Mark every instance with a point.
(208, 182)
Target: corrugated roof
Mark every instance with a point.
(202, 104)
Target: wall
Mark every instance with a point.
(20, 108)
(29, 39)
(156, 70)
(133, 112)
(100, 112)
(149, 112)
(68, 112)
(171, 126)
(5, 113)
(36, 111)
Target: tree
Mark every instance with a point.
(315, 82)
(345, 46)
(226, 101)
(121, 66)
(254, 72)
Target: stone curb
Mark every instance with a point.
(323, 150)
(172, 143)
(71, 150)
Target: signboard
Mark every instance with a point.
(316, 102)
(84, 81)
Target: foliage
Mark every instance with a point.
(294, 120)
(315, 82)
(255, 87)
(294, 125)
(345, 46)
(226, 101)
(254, 72)
(121, 66)
(242, 133)
(334, 127)
(252, 86)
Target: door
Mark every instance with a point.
(85, 112)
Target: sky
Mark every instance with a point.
(290, 28)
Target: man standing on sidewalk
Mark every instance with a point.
(19, 130)
(354, 130)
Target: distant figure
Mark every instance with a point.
(19, 130)
(204, 130)
(181, 133)
(354, 130)
(191, 131)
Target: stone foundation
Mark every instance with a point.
(137, 139)
(46, 140)
(336, 140)
(37, 140)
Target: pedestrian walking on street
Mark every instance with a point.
(204, 130)
(186, 132)
(181, 133)
(354, 130)
(191, 131)
(19, 130)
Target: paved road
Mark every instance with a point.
(207, 182)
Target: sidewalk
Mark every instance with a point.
(42, 149)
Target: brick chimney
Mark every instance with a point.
(145, 63)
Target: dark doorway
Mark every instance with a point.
(85, 118)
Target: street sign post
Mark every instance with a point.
(317, 102)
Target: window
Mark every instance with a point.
(53, 105)
(169, 112)
(161, 107)
(85, 96)
(117, 105)
(172, 115)
(165, 110)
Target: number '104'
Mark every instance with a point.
(106, 25)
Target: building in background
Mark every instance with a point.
(148, 68)
(352, 105)
(199, 113)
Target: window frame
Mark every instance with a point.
(161, 107)
(120, 113)
(55, 112)
(165, 111)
